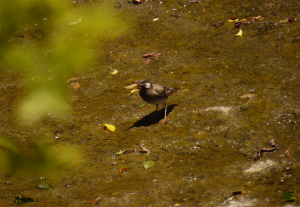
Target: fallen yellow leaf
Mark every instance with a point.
(233, 20)
(114, 71)
(76, 22)
(110, 127)
(133, 91)
(239, 34)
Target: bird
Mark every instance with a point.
(155, 94)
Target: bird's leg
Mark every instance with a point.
(165, 119)
(154, 114)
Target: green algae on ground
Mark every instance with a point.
(20, 199)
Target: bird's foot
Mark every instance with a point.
(164, 120)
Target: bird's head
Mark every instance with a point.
(143, 84)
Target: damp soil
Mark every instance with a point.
(199, 160)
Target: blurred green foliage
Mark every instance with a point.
(38, 40)
(43, 159)
(51, 49)
(290, 196)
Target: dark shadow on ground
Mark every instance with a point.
(147, 120)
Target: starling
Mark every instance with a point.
(155, 94)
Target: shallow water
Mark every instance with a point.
(194, 164)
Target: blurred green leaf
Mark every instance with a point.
(288, 196)
(7, 143)
(44, 159)
(51, 49)
(148, 164)
(10, 157)
(37, 42)
(288, 193)
(41, 102)
(44, 186)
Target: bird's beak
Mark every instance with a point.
(139, 84)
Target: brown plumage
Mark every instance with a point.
(155, 94)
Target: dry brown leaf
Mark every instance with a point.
(130, 87)
(239, 192)
(219, 24)
(175, 15)
(247, 96)
(74, 85)
(149, 54)
(291, 19)
(157, 54)
(193, 1)
(248, 22)
(96, 201)
(123, 169)
(72, 80)
(286, 20)
(144, 149)
(272, 142)
(257, 155)
(269, 149)
(237, 24)
(146, 62)
(288, 153)
(256, 18)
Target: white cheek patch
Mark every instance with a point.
(147, 85)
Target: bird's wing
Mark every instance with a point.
(163, 90)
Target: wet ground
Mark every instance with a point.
(195, 164)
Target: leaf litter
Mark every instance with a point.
(148, 164)
(114, 71)
(143, 149)
(44, 186)
(96, 201)
(130, 87)
(73, 83)
(123, 169)
(110, 127)
(258, 154)
(151, 56)
(20, 199)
